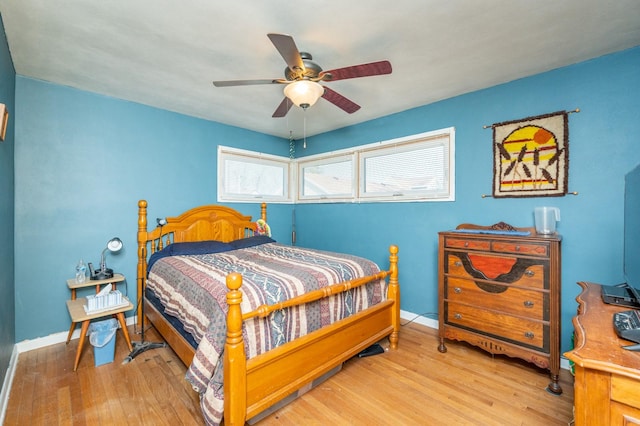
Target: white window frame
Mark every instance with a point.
(360, 154)
(407, 144)
(324, 160)
(293, 171)
(226, 153)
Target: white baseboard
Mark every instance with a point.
(6, 384)
(433, 323)
(419, 319)
(53, 339)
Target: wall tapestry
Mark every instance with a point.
(531, 156)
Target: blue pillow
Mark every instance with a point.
(196, 247)
(251, 241)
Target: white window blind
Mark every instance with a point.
(327, 178)
(250, 176)
(414, 168)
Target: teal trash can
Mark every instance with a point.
(102, 337)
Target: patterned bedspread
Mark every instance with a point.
(193, 289)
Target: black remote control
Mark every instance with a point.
(627, 325)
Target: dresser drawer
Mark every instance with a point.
(511, 300)
(622, 414)
(468, 243)
(518, 247)
(504, 326)
(625, 390)
(491, 267)
(533, 277)
(455, 266)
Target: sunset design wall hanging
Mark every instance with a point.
(531, 156)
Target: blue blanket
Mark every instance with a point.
(492, 231)
(206, 247)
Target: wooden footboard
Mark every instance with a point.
(251, 386)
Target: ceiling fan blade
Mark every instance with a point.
(340, 101)
(355, 71)
(283, 108)
(289, 51)
(228, 83)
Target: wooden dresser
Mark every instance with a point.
(607, 377)
(501, 292)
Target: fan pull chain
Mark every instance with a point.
(292, 145)
(304, 115)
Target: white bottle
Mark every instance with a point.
(81, 272)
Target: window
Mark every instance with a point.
(413, 168)
(252, 176)
(327, 178)
(410, 169)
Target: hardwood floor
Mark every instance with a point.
(415, 385)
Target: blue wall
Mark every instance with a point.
(7, 312)
(82, 161)
(603, 147)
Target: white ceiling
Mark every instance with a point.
(166, 53)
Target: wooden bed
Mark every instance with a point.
(255, 384)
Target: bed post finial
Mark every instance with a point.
(142, 254)
(263, 211)
(235, 366)
(393, 293)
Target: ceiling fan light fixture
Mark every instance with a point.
(303, 93)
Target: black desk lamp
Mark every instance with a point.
(142, 346)
(113, 245)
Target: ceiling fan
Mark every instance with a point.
(302, 77)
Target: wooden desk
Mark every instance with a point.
(607, 377)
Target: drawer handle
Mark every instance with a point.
(528, 304)
(457, 316)
(457, 264)
(529, 273)
(457, 290)
(466, 243)
(517, 248)
(529, 335)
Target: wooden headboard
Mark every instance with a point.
(198, 224)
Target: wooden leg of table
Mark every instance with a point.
(123, 325)
(83, 335)
(73, 326)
